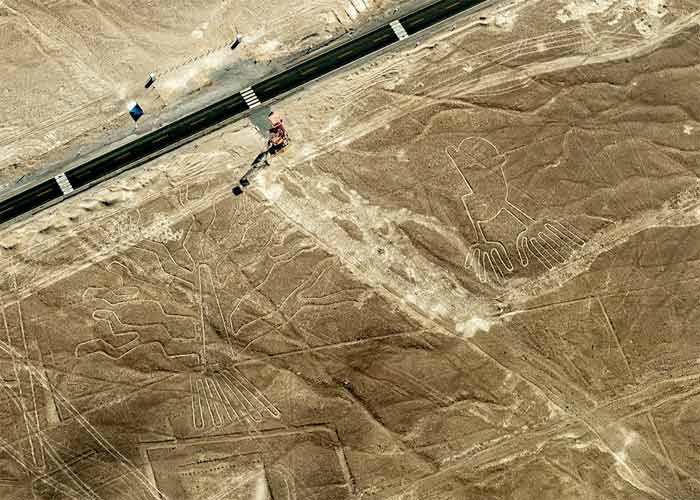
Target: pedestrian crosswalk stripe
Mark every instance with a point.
(250, 98)
(64, 183)
(398, 29)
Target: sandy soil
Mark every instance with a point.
(472, 275)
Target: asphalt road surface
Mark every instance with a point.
(129, 155)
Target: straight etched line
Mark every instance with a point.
(327, 347)
(19, 384)
(617, 339)
(671, 465)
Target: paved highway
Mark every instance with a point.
(129, 155)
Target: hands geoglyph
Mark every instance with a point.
(546, 241)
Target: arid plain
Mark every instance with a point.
(472, 275)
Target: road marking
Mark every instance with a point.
(309, 70)
(64, 183)
(123, 155)
(250, 98)
(398, 29)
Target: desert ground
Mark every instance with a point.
(472, 275)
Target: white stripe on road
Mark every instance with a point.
(398, 29)
(64, 183)
(250, 98)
